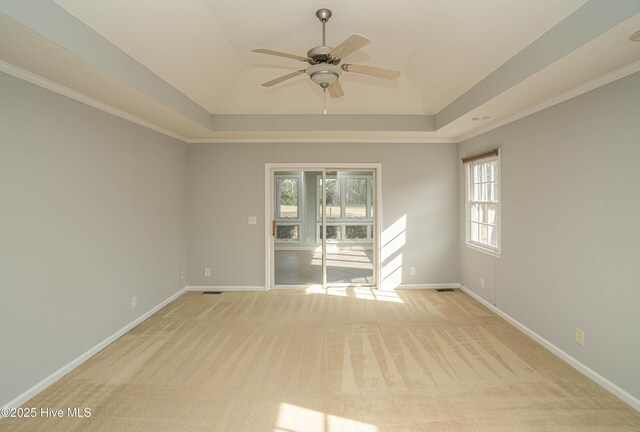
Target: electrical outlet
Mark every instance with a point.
(579, 337)
(134, 302)
(207, 272)
(182, 274)
(412, 271)
(481, 282)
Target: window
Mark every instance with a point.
(349, 209)
(356, 197)
(333, 232)
(287, 192)
(287, 232)
(287, 207)
(356, 232)
(333, 199)
(483, 203)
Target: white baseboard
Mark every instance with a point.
(585, 370)
(225, 288)
(30, 393)
(293, 287)
(399, 287)
(427, 286)
(622, 394)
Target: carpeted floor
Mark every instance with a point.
(347, 360)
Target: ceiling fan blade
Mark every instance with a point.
(282, 78)
(335, 90)
(349, 45)
(280, 54)
(372, 70)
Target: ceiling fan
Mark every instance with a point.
(325, 69)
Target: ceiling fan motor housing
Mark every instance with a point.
(321, 54)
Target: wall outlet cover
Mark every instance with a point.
(579, 337)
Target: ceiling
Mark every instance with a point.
(186, 67)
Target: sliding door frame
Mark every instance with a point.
(269, 169)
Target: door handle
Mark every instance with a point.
(273, 228)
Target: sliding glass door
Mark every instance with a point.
(349, 229)
(323, 227)
(297, 254)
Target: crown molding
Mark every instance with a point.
(570, 94)
(59, 26)
(79, 97)
(588, 22)
(72, 94)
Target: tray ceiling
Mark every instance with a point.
(199, 53)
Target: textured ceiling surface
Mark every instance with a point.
(202, 48)
(30, 51)
(580, 67)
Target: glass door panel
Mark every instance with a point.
(296, 249)
(323, 227)
(349, 217)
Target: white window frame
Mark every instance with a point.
(481, 247)
(342, 221)
(269, 190)
(280, 221)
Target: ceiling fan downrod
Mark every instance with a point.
(323, 15)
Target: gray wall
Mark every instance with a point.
(226, 185)
(91, 214)
(570, 233)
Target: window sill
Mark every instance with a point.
(486, 251)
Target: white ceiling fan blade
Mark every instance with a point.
(280, 54)
(349, 45)
(282, 78)
(372, 70)
(335, 90)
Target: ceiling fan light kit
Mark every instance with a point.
(324, 74)
(325, 69)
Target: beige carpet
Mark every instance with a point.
(348, 360)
